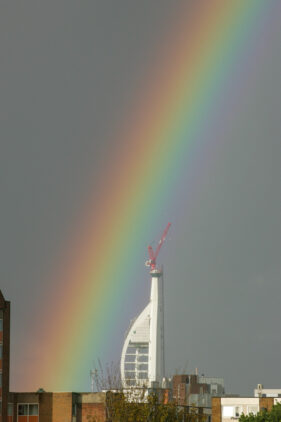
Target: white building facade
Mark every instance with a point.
(142, 359)
(233, 407)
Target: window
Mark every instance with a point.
(74, 409)
(136, 363)
(23, 409)
(131, 350)
(142, 358)
(130, 375)
(1, 324)
(33, 410)
(238, 411)
(142, 375)
(130, 358)
(143, 367)
(228, 411)
(0, 380)
(130, 366)
(214, 389)
(27, 409)
(143, 350)
(1, 351)
(10, 409)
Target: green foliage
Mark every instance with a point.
(273, 415)
(125, 409)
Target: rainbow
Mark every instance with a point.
(178, 99)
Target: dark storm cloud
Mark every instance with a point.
(68, 71)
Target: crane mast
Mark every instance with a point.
(153, 255)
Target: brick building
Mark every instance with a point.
(4, 357)
(196, 389)
(57, 407)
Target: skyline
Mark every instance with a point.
(117, 118)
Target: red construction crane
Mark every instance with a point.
(153, 255)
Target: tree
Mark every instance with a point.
(121, 409)
(106, 377)
(273, 415)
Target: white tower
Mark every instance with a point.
(142, 359)
(156, 362)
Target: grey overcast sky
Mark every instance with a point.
(69, 72)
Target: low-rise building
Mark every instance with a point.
(267, 392)
(57, 407)
(196, 390)
(227, 409)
